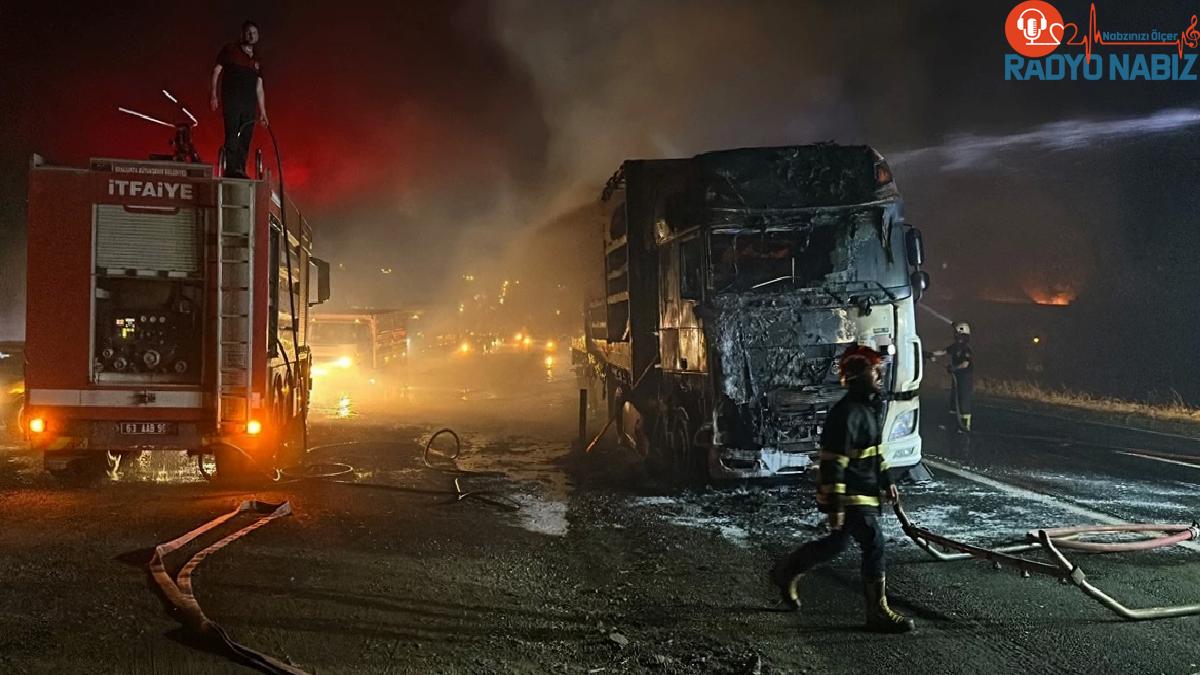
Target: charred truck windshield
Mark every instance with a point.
(807, 253)
(750, 271)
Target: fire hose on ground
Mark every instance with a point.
(333, 471)
(1052, 540)
(177, 589)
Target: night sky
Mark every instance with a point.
(439, 138)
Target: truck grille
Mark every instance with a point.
(795, 417)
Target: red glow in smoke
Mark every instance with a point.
(358, 112)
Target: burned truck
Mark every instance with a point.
(733, 280)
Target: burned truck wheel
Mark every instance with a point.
(660, 460)
(689, 463)
(616, 401)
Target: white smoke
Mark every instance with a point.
(974, 151)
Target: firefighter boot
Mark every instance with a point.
(787, 582)
(880, 617)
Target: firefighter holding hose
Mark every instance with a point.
(854, 483)
(962, 378)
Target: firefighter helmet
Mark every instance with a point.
(962, 328)
(857, 360)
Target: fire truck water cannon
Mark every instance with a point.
(181, 143)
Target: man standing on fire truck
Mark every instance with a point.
(854, 481)
(239, 71)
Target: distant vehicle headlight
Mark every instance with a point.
(905, 424)
(345, 362)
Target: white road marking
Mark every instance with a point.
(1039, 497)
(1192, 465)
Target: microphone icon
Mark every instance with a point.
(1031, 28)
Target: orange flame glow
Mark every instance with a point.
(1057, 294)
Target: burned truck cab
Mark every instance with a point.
(733, 282)
(804, 251)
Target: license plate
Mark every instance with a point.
(147, 428)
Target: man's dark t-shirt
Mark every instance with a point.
(239, 77)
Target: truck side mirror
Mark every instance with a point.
(920, 283)
(914, 245)
(321, 267)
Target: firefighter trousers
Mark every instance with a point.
(239, 131)
(861, 524)
(962, 390)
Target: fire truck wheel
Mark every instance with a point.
(75, 469)
(232, 465)
(291, 451)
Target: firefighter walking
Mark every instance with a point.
(854, 482)
(962, 378)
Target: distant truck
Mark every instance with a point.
(167, 309)
(732, 282)
(12, 389)
(369, 338)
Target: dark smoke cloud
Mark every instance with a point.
(451, 138)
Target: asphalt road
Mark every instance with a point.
(587, 565)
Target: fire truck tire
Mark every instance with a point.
(75, 469)
(233, 465)
(291, 450)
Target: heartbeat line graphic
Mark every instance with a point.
(1093, 38)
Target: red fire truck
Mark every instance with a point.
(168, 309)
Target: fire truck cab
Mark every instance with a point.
(167, 309)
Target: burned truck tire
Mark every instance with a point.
(674, 456)
(660, 461)
(691, 466)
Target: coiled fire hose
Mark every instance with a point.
(1059, 567)
(332, 471)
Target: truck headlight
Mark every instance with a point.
(905, 424)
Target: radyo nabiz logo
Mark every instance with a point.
(1047, 47)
